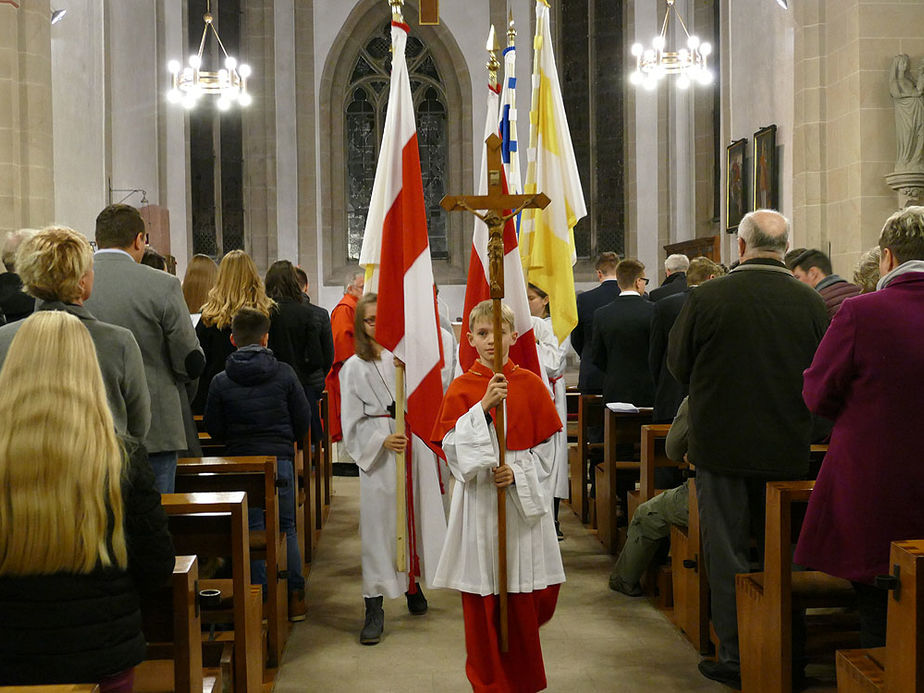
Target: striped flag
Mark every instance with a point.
(396, 252)
(547, 236)
(523, 352)
(508, 122)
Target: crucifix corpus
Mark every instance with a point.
(495, 209)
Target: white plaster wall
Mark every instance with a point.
(78, 99)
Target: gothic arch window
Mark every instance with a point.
(364, 122)
(353, 97)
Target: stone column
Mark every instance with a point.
(26, 151)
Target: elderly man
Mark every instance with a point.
(813, 267)
(56, 266)
(675, 277)
(149, 303)
(341, 322)
(741, 344)
(15, 304)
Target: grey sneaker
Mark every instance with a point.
(617, 584)
(371, 633)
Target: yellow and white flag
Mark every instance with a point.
(547, 235)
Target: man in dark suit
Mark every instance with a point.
(668, 392)
(321, 354)
(620, 339)
(741, 344)
(590, 379)
(675, 277)
(15, 304)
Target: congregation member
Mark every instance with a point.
(15, 304)
(813, 267)
(675, 277)
(201, 275)
(668, 392)
(468, 561)
(590, 379)
(553, 357)
(151, 305)
(866, 274)
(367, 382)
(237, 286)
(866, 376)
(741, 344)
(152, 258)
(83, 531)
(56, 266)
(257, 406)
(619, 348)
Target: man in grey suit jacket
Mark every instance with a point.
(150, 304)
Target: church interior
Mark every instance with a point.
(798, 108)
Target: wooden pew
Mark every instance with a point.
(652, 457)
(310, 512)
(899, 666)
(326, 460)
(619, 428)
(215, 524)
(256, 476)
(590, 414)
(53, 688)
(766, 600)
(688, 578)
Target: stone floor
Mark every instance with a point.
(598, 640)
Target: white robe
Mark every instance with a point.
(366, 392)
(468, 562)
(554, 359)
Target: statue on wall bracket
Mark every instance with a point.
(907, 91)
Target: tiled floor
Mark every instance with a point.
(598, 640)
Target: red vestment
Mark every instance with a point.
(342, 318)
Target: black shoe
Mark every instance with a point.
(617, 584)
(417, 602)
(371, 633)
(558, 531)
(723, 673)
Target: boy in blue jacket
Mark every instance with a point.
(257, 406)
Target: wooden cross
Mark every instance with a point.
(495, 209)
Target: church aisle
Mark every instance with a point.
(597, 641)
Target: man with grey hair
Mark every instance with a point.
(741, 343)
(15, 303)
(675, 277)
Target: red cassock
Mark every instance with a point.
(531, 419)
(342, 319)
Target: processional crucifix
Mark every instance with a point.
(495, 209)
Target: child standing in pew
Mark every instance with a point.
(257, 406)
(367, 411)
(469, 559)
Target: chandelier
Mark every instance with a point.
(653, 64)
(191, 82)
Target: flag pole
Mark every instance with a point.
(400, 475)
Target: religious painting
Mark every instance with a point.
(736, 203)
(765, 174)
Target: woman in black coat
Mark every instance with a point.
(82, 529)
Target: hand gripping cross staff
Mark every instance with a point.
(491, 210)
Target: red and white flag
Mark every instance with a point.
(396, 253)
(523, 352)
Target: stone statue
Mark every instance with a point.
(908, 98)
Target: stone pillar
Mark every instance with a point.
(26, 151)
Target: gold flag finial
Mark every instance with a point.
(396, 13)
(492, 64)
(511, 31)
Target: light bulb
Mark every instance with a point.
(223, 76)
(683, 54)
(637, 49)
(174, 66)
(195, 62)
(174, 96)
(650, 84)
(245, 99)
(230, 62)
(705, 77)
(658, 42)
(705, 48)
(187, 74)
(683, 82)
(189, 102)
(244, 70)
(223, 104)
(693, 42)
(636, 78)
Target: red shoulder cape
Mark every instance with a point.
(531, 413)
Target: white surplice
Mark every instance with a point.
(468, 562)
(554, 359)
(367, 389)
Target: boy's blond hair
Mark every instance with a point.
(485, 311)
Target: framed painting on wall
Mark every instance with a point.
(766, 189)
(736, 202)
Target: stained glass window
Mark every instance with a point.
(364, 113)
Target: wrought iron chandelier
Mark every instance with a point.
(191, 82)
(655, 63)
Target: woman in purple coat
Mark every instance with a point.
(868, 377)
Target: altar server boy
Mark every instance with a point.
(468, 562)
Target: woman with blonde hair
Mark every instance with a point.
(82, 529)
(238, 286)
(200, 277)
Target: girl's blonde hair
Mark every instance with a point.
(238, 286)
(366, 347)
(200, 277)
(60, 461)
